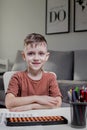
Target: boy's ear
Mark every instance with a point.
(23, 55)
(47, 56)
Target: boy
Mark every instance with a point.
(33, 88)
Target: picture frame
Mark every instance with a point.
(57, 17)
(80, 15)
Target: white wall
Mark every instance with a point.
(20, 17)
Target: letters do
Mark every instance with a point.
(57, 16)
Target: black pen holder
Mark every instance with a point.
(78, 114)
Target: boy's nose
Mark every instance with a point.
(36, 56)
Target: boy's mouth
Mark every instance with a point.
(36, 63)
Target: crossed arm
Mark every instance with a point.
(31, 102)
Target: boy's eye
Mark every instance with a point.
(41, 53)
(30, 53)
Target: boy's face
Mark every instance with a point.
(36, 55)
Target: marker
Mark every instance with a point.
(74, 96)
(70, 96)
(77, 93)
(82, 95)
(85, 95)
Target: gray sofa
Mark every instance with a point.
(69, 66)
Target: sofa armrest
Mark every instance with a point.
(72, 82)
(2, 98)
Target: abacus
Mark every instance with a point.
(43, 120)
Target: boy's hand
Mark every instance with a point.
(47, 100)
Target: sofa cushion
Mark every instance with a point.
(80, 65)
(19, 63)
(61, 63)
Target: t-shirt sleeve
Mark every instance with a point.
(13, 86)
(54, 87)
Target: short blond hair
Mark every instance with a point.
(34, 38)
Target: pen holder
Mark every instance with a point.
(78, 114)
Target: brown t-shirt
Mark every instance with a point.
(21, 85)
